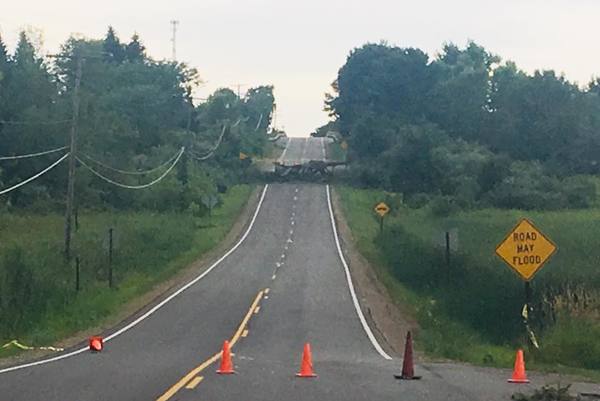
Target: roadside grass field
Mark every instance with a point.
(471, 309)
(38, 301)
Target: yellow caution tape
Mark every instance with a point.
(530, 333)
(17, 344)
(55, 349)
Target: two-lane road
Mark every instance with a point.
(282, 285)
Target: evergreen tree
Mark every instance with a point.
(3, 61)
(4, 64)
(113, 48)
(135, 51)
(25, 52)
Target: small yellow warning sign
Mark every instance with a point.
(382, 209)
(344, 145)
(243, 156)
(526, 249)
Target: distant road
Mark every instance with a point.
(303, 150)
(283, 286)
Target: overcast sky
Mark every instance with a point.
(299, 46)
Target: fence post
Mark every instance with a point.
(77, 274)
(110, 257)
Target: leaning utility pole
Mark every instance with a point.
(72, 159)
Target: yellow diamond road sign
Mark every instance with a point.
(526, 249)
(382, 209)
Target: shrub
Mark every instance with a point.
(443, 206)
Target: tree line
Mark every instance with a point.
(135, 114)
(466, 129)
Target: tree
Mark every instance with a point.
(33, 95)
(135, 52)
(4, 66)
(377, 78)
(458, 101)
(3, 61)
(113, 48)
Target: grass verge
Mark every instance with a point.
(38, 301)
(471, 310)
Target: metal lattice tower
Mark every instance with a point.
(174, 24)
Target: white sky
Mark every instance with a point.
(299, 46)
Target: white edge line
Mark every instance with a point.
(157, 306)
(359, 312)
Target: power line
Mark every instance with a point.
(145, 172)
(56, 163)
(259, 121)
(47, 152)
(212, 150)
(201, 158)
(118, 184)
(56, 122)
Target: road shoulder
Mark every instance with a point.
(388, 321)
(140, 305)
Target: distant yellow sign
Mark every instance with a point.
(382, 209)
(243, 156)
(344, 145)
(526, 249)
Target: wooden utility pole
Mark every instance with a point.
(72, 159)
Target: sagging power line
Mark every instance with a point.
(145, 172)
(212, 150)
(126, 186)
(56, 163)
(30, 155)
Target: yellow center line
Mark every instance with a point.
(192, 385)
(257, 309)
(245, 333)
(194, 372)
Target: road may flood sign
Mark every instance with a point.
(526, 249)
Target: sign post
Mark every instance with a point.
(525, 250)
(381, 209)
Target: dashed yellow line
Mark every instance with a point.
(195, 381)
(194, 372)
(267, 291)
(245, 333)
(257, 310)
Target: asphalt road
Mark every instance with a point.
(303, 150)
(285, 285)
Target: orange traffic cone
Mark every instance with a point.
(96, 343)
(306, 369)
(519, 375)
(408, 367)
(226, 362)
